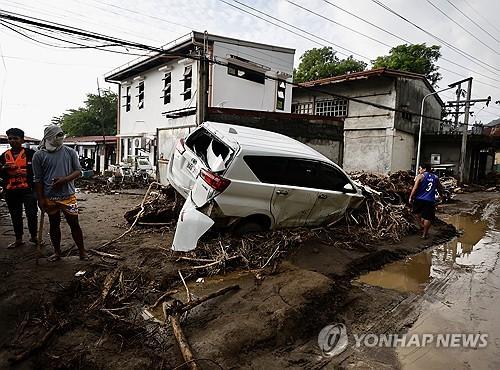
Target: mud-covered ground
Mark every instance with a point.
(272, 321)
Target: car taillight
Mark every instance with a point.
(180, 146)
(215, 181)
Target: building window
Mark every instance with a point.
(167, 82)
(129, 147)
(124, 143)
(333, 107)
(128, 99)
(140, 95)
(188, 79)
(246, 73)
(280, 95)
(302, 108)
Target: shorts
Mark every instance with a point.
(68, 205)
(424, 208)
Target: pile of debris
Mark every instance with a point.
(101, 184)
(396, 186)
(384, 214)
(160, 208)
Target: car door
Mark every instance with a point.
(294, 195)
(333, 198)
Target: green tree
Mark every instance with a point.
(321, 63)
(98, 112)
(417, 58)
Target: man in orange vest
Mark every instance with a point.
(17, 180)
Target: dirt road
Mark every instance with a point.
(273, 320)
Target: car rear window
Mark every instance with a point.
(199, 142)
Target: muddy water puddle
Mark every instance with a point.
(471, 248)
(200, 288)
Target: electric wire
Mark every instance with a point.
(296, 33)
(477, 12)
(473, 21)
(411, 43)
(83, 33)
(456, 49)
(462, 27)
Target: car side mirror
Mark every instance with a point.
(348, 188)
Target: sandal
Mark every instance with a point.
(85, 258)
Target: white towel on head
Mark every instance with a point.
(51, 142)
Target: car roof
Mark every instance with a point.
(261, 142)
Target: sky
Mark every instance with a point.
(38, 82)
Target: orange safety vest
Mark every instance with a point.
(17, 170)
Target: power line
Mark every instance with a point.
(80, 46)
(409, 42)
(462, 27)
(456, 49)
(337, 23)
(83, 18)
(366, 21)
(486, 19)
(159, 51)
(296, 33)
(473, 21)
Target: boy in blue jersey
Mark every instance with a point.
(423, 197)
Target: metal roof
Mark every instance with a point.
(363, 75)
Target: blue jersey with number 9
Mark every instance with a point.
(427, 188)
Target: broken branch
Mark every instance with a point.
(108, 255)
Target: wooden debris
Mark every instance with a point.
(162, 298)
(175, 311)
(184, 347)
(139, 214)
(108, 255)
(108, 284)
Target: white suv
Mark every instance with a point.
(253, 179)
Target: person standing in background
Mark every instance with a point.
(17, 180)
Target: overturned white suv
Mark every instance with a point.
(252, 180)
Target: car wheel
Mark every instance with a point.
(246, 227)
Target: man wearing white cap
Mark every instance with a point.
(55, 168)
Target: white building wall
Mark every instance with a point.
(233, 92)
(403, 151)
(145, 121)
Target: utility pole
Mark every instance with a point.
(457, 108)
(463, 149)
(467, 103)
(98, 159)
(202, 96)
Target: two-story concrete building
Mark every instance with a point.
(375, 139)
(159, 93)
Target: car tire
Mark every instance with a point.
(247, 227)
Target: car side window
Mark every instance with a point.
(300, 172)
(267, 169)
(329, 178)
